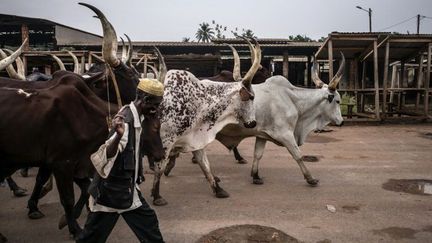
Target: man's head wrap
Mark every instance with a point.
(151, 86)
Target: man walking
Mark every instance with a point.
(114, 190)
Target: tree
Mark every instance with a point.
(204, 33)
(248, 33)
(186, 39)
(300, 38)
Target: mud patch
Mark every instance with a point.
(324, 241)
(415, 186)
(350, 208)
(247, 233)
(321, 139)
(397, 233)
(311, 158)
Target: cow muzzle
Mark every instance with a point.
(251, 124)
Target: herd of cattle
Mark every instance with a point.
(57, 124)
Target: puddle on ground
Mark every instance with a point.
(350, 208)
(414, 186)
(426, 135)
(397, 233)
(321, 139)
(311, 158)
(247, 233)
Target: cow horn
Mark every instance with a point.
(334, 82)
(76, 63)
(129, 52)
(315, 78)
(59, 62)
(10, 59)
(124, 51)
(251, 49)
(236, 69)
(162, 65)
(19, 63)
(155, 71)
(10, 69)
(247, 79)
(110, 45)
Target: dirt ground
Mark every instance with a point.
(354, 163)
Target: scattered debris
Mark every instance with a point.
(331, 208)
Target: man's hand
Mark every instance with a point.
(118, 125)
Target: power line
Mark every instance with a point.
(399, 23)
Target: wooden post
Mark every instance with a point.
(362, 86)
(330, 59)
(376, 82)
(285, 67)
(393, 82)
(89, 61)
(24, 59)
(145, 66)
(25, 35)
(427, 81)
(419, 80)
(48, 69)
(82, 65)
(386, 71)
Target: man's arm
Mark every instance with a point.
(119, 126)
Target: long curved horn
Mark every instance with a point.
(155, 71)
(76, 63)
(10, 59)
(10, 69)
(334, 82)
(162, 65)
(129, 52)
(247, 79)
(19, 63)
(59, 62)
(109, 46)
(315, 78)
(236, 69)
(124, 51)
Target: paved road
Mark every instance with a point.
(354, 163)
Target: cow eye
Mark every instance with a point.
(337, 101)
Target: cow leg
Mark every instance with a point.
(64, 180)
(17, 190)
(170, 165)
(47, 187)
(158, 200)
(290, 143)
(258, 153)
(32, 204)
(238, 157)
(83, 184)
(204, 164)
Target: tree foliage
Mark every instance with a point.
(205, 33)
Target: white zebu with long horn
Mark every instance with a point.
(285, 115)
(194, 111)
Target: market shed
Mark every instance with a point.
(387, 73)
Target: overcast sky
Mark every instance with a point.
(174, 19)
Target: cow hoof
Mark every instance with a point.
(20, 192)
(242, 161)
(217, 179)
(194, 160)
(160, 202)
(312, 182)
(36, 215)
(221, 193)
(62, 222)
(258, 181)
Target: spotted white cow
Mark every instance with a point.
(285, 115)
(193, 111)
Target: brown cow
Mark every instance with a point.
(57, 124)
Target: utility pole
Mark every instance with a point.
(418, 24)
(369, 11)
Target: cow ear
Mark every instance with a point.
(330, 98)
